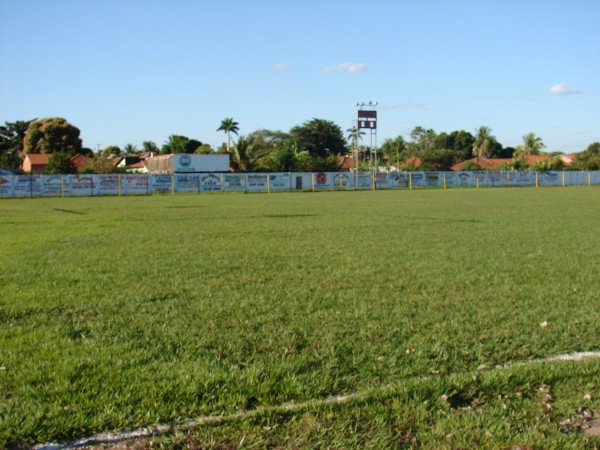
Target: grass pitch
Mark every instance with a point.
(120, 312)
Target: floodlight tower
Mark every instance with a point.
(367, 119)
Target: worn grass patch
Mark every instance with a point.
(145, 310)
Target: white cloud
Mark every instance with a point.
(350, 68)
(563, 89)
(282, 67)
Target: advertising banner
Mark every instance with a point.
(85, 185)
(343, 180)
(161, 183)
(210, 182)
(433, 179)
(256, 181)
(323, 180)
(135, 184)
(56, 185)
(187, 183)
(280, 181)
(397, 179)
(234, 181)
(364, 180)
(109, 184)
(6, 186)
(27, 185)
(183, 163)
(113, 184)
(418, 179)
(451, 178)
(466, 179)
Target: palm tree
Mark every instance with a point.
(130, 149)
(484, 142)
(246, 155)
(228, 125)
(532, 145)
(354, 136)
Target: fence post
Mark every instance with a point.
(312, 180)
(563, 178)
(268, 184)
(410, 181)
(62, 186)
(476, 181)
(119, 183)
(589, 179)
(341, 187)
(536, 179)
(373, 181)
(222, 183)
(444, 180)
(172, 184)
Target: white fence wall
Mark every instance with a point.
(143, 184)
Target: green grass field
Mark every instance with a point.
(122, 312)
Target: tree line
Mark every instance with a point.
(314, 145)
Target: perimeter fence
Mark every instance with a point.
(146, 184)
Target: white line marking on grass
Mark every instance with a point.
(140, 433)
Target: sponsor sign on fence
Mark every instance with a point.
(143, 184)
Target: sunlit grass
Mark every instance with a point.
(119, 312)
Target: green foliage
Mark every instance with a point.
(51, 135)
(422, 139)
(180, 144)
(204, 149)
(549, 165)
(12, 138)
(130, 149)
(111, 151)
(9, 160)
(588, 159)
(228, 126)
(515, 165)
(532, 145)
(392, 149)
(319, 137)
(246, 156)
(437, 159)
(472, 166)
(285, 158)
(60, 163)
(484, 142)
(149, 146)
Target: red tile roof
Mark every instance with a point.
(497, 163)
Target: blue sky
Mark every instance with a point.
(126, 71)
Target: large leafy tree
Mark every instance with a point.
(12, 138)
(437, 159)
(50, 135)
(392, 149)
(319, 137)
(180, 144)
(228, 126)
(60, 163)
(484, 142)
